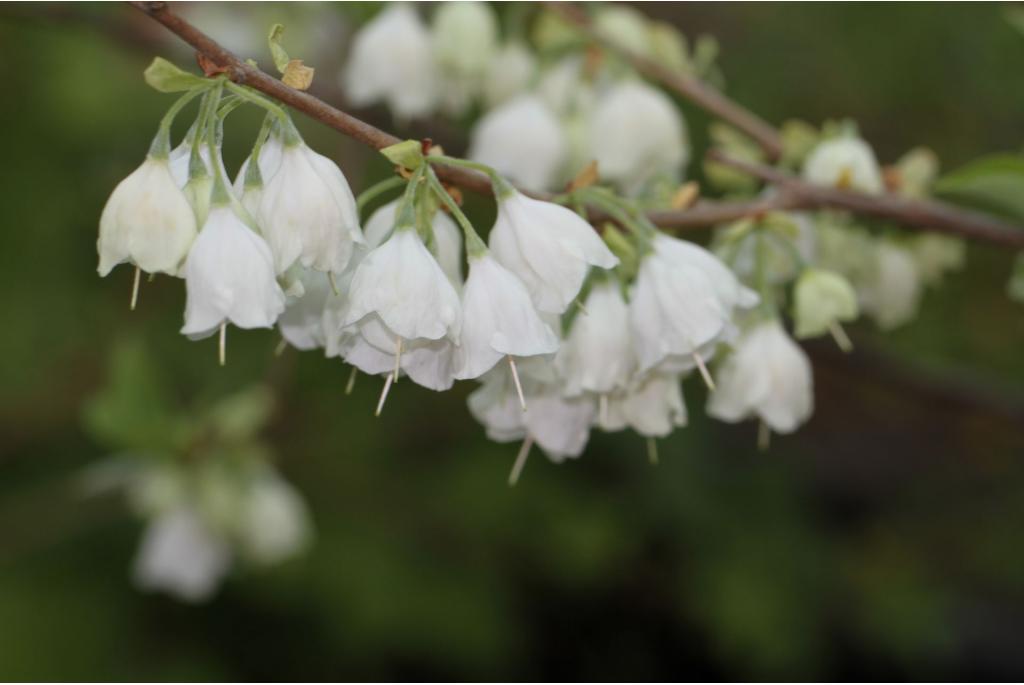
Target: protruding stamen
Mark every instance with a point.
(517, 468)
(135, 288)
(351, 380)
(281, 347)
(222, 345)
(384, 394)
(840, 336)
(704, 371)
(515, 379)
(334, 285)
(764, 436)
(652, 451)
(602, 409)
(398, 357)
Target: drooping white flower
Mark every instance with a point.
(402, 283)
(147, 221)
(523, 140)
(498, 320)
(597, 355)
(179, 555)
(465, 36)
(936, 254)
(445, 245)
(681, 305)
(550, 248)
(891, 291)
(845, 162)
(768, 376)
(392, 61)
(636, 133)
(509, 73)
(307, 212)
(821, 300)
(625, 27)
(274, 521)
(652, 406)
(229, 277)
(302, 323)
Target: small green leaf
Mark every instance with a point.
(276, 51)
(168, 78)
(994, 183)
(408, 154)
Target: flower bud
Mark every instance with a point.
(822, 299)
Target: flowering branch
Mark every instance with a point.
(793, 193)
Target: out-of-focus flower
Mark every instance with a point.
(179, 555)
(892, 291)
(845, 162)
(652, 406)
(509, 73)
(822, 299)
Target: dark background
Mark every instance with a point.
(881, 541)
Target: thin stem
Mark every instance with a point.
(474, 243)
(161, 146)
(258, 100)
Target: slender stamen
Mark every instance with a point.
(652, 451)
(222, 346)
(281, 347)
(384, 394)
(135, 288)
(602, 404)
(351, 380)
(398, 357)
(840, 336)
(334, 284)
(704, 371)
(517, 467)
(764, 436)
(515, 379)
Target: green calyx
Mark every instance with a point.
(407, 154)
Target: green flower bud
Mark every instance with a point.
(822, 299)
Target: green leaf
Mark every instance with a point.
(168, 78)
(408, 154)
(994, 183)
(276, 51)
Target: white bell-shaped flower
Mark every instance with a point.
(274, 521)
(523, 140)
(768, 376)
(597, 355)
(844, 162)
(892, 289)
(465, 36)
(229, 277)
(445, 245)
(821, 300)
(302, 323)
(652, 406)
(681, 305)
(636, 133)
(147, 221)
(550, 248)
(179, 555)
(498, 320)
(251, 194)
(402, 283)
(307, 212)
(392, 61)
(509, 73)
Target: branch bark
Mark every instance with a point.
(793, 194)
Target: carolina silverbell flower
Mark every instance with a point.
(509, 73)
(523, 140)
(465, 36)
(302, 323)
(652, 406)
(845, 162)
(147, 221)
(446, 245)
(681, 306)
(307, 211)
(550, 248)
(597, 354)
(892, 289)
(392, 61)
(822, 300)
(768, 376)
(635, 133)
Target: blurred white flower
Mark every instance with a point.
(936, 254)
(845, 162)
(652, 406)
(274, 521)
(767, 375)
(523, 140)
(636, 133)
(549, 247)
(179, 555)
(822, 299)
(597, 355)
(302, 323)
(892, 290)
(229, 276)
(147, 221)
(625, 27)
(499, 320)
(509, 73)
(392, 61)
(465, 37)
(307, 212)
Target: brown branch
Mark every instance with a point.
(924, 214)
(690, 87)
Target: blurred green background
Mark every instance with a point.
(881, 541)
